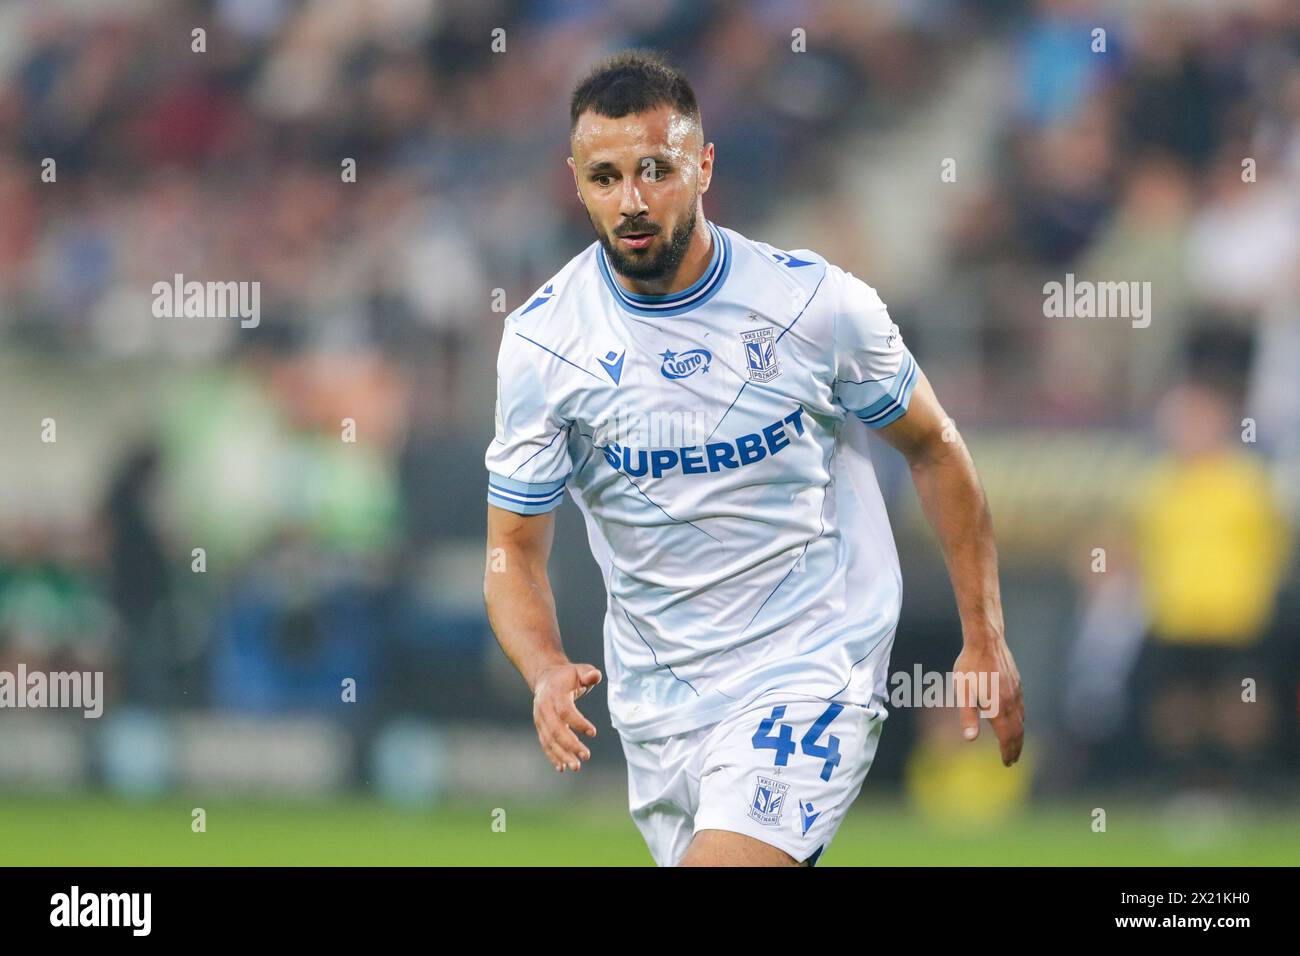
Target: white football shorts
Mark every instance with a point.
(784, 769)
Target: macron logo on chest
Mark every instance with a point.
(612, 363)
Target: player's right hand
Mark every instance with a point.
(556, 715)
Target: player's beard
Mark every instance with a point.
(662, 265)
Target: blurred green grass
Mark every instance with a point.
(103, 831)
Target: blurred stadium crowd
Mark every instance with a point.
(322, 558)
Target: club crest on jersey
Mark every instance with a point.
(685, 364)
(768, 801)
(760, 355)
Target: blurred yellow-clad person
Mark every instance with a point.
(953, 782)
(1212, 543)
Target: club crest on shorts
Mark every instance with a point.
(760, 355)
(768, 801)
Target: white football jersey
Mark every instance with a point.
(714, 440)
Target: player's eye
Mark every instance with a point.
(653, 173)
(599, 180)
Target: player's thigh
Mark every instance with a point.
(785, 772)
(727, 848)
(661, 793)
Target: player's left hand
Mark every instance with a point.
(998, 687)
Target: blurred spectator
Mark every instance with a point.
(140, 583)
(1212, 544)
(954, 782)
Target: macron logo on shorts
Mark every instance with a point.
(807, 814)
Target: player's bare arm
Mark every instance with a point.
(955, 506)
(521, 610)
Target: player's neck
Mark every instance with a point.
(693, 265)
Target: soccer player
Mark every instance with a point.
(706, 400)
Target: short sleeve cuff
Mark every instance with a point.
(524, 497)
(893, 404)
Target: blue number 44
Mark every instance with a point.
(783, 740)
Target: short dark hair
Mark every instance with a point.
(632, 81)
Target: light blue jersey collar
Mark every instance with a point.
(675, 303)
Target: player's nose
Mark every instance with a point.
(631, 204)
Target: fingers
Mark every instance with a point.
(1010, 730)
(560, 744)
(1017, 708)
(573, 717)
(1008, 725)
(564, 749)
(1011, 738)
(970, 722)
(588, 678)
(1017, 694)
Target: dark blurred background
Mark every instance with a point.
(1171, 157)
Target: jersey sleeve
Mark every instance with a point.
(528, 460)
(874, 371)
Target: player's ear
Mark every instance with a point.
(573, 168)
(706, 167)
